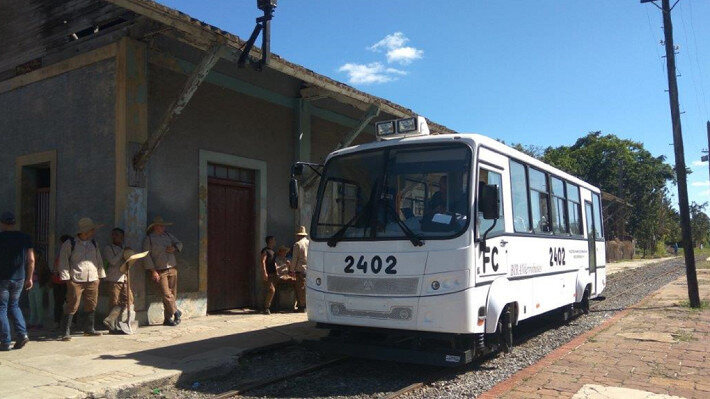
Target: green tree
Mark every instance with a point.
(627, 170)
(699, 224)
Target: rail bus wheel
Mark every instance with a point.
(506, 330)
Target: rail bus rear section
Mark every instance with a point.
(429, 249)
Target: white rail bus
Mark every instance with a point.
(445, 238)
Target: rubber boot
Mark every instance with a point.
(65, 327)
(89, 330)
(178, 315)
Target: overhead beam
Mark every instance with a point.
(371, 113)
(196, 78)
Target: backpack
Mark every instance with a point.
(73, 244)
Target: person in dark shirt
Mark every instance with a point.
(17, 261)
(268, 271)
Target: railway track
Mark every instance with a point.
(527, 331)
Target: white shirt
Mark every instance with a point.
(82, 265)
(113, 254)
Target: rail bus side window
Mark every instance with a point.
(538, 201)
(559, 207)
(574, 209)
(596, 210)
(519, 188)
(489, 177)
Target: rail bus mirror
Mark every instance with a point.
(293, 193)
(488, 203)
(297, 169)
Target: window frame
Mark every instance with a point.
(490, 168)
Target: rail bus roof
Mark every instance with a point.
(472, 138)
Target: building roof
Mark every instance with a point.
(203, 35)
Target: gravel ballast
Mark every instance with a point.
(358, 378)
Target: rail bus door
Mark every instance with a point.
(493, 259)
(591, 242)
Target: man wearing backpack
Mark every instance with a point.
(81, 266)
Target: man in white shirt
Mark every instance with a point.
(114, 256)
(81, 266)
(162, 264)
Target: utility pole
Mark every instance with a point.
(708, 156)
(680, 170)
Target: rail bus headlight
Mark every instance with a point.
(406, 125)
(385, 128)
(441, 283)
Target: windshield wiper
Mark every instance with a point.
(413, 237)
(338, 236)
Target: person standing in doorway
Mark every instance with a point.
(17, 262)
(268, 272)
(81, 266)
(114, 256)
(59, 287)
(162, 264)
(299, 263)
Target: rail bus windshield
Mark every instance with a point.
(411, 192)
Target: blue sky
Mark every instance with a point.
(537, 72)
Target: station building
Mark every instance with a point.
(86, 86)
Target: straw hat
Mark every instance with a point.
(158, 221)
(131, 257)
(301, 231)
(86, 225)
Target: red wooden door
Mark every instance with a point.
(231, 242)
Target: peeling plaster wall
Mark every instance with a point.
(72, 113)
(221, 120)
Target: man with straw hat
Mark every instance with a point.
(299, 263)
(81, 266)
(162, 264)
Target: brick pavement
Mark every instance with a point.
(658, 347)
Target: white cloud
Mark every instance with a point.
(373, 72)
(394, 45)
(698, 163)
(700, 184)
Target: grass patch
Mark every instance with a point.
(703, 305)
(684, 336)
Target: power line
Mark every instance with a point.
(690, 64)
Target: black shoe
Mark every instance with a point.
(20, 343)
(89, 330)
(4, 347)
(169, 322)
(65, 327)
(178, 315)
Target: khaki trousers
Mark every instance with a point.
(76, 291)
(168, 287)
(118, 295)
(301, 289)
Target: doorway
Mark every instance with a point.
(231, 210)
(591, 243)
(35, 207)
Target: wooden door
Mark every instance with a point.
(231, 244)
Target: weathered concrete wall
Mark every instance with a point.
(221, 120)
(72, 113)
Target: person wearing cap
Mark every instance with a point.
(81, 266)
(17, 261)
(299, 263)
(162, 264)
(114, 255)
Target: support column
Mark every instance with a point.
(131, 203)
(303, 154)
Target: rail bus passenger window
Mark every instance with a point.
(518, 186)
(574, 209)
(599, 230)
(488, 177)
(559, 206)
(538, 201)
